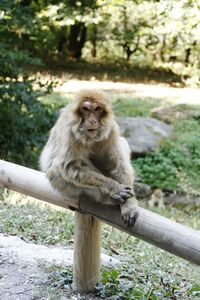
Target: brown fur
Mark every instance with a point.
(157, 199)
(98, 166)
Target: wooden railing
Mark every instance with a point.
(150, 227)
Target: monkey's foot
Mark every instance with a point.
(129, 213)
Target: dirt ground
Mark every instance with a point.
(23, 269)
(156, 91)
(19, 279)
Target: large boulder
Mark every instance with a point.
(173, 113)
(142, 190)
(144, 135)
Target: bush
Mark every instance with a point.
(24, 122)
(177, 164)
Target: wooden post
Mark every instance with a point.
(87, 252)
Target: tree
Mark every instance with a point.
(24, 120)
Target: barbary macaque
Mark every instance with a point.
(85, 155)
(157, 199)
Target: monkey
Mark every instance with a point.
(157, 199)
(86, 156)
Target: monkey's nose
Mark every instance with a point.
(93, 122)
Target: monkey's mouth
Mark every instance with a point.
(92, 130)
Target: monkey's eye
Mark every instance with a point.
(84, 108)
(98, 108)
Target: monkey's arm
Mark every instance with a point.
(83, 174)
(124, 174)
(123, 171)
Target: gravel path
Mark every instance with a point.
(19, 280)
(156, 91)
(23, 265)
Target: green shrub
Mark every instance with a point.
(24, 123)
(157, 171)
(24, 120)
(177, 164)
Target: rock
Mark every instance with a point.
(175, 112)
(144, 135)
(182, 199)
(142, 190)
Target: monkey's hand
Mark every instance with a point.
(120, 192)
(129, 211)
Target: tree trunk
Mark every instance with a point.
(77, 38)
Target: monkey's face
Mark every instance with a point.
(91, 114)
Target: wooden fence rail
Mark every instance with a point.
(150, 227)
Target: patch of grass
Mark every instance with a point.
(60, 99)
(148, 276)
(123, 106)
(133, 107)
(36, 223)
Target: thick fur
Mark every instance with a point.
(98, 167)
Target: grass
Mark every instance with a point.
(123, 105)
(146, 272)
(58, 98)
(134, 107)
(28, 220)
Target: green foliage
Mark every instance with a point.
(176, 165)
(60, 277)
(136, 283)
(114, 285)
(158, 34)
(24, 124)
(24, 120)
(157, 171)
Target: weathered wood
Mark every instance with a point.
(87, 251)
(152, 228)
(33, 183)
(157, 230)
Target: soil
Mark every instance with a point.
(156, 91)
(24, 269)
(19, 280)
